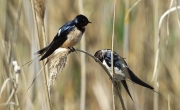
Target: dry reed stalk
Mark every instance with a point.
(126, 29)
(156, 48)
(158, 38)
(169, 106)
(114, 83)
(38, 8)
(167, 26)
(177, 13)
(13, 79)
(12, 75)
(112, 48)
(83, 65)
(16, 73)
(158, 44)
(129, 10)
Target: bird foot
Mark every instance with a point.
(72, 49)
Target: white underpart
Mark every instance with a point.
(60, 50)
(118, 74)
(59, 32)
(72, 38)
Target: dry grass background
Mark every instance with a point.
(19, 42)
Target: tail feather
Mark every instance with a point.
(126, 87)
(42, 51)
(49, 51)
(135, 79)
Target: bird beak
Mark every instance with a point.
(89, 22)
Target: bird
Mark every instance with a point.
(67, 36)
(121, 69)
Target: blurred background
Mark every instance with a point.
(136, 39)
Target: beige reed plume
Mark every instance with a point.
(57, 62)
(39, 6)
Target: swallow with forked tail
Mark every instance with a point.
(121, 69)
(67, 36)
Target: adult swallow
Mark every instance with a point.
(121, 69)
(67, 36)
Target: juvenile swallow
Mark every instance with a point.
(67, 36)
(121, 69)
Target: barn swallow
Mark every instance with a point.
(121, 69)
(67, 36)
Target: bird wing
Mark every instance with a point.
(59, 39)
(118, 66)
(64, 30)
(117, 61)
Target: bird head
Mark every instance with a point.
(81, 20)
(100, 55)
